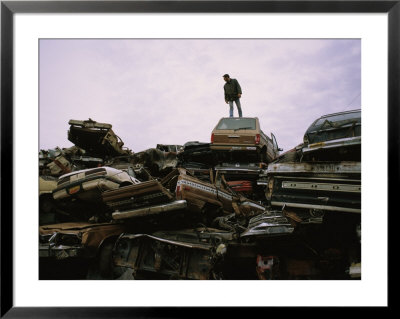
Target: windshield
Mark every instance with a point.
(236, 124)
(338, 118)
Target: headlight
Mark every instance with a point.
(270, 186)
(221, 249)
(65, 239)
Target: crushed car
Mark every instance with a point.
(97, 139)
(322, 186)
(175, 148)
(143, 199)
(56, 162)
(86, 248)
(179, 192)
(196, 154)
(242, 178)
(334, 135)
(234, 208)
(158, 162)
(317, 186)
(195, 254)
(89, 183)
(47, 208)
(323, 200)
(78, 194)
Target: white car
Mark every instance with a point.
(88, 184)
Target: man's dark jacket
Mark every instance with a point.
(232, 89)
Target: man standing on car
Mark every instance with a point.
(233, 93)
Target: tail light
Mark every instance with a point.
(178, 191)
(212, 138)
(257, 139)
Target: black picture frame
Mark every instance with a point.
(9, 8)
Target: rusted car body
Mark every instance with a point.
(140, 200)
(336, 126)
(174, 148)
(97, 139)
(78, 194)
(323, 186)
(226, 252)
(317, 186)
(242, 179)
(158, 210)
(81, 239)
(271, 223)
(137, 195)
(334, 136)
(181, 254)
(82, 244)
(158, 162)
(322, 201)
(244, 134)
(197, 154)
(59, 165)
(56, 162)
(47, 213)
(89, 183)
(230, 209)
(176, 191)
(200, 194)
(214, 196)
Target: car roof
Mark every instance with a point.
(106, 168)
(314, 126)
(339, 113)
(223, 118)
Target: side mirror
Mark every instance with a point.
(280, 149)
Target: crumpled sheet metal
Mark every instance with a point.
(157, 161)
(268, 224)
(152, 210)
(92, 235)
(95, 138)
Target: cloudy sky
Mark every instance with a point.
(170, 91)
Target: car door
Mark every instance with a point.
(275, 146)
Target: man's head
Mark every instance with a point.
(226, 77)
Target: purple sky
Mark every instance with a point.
(170, 91)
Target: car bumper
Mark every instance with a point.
(94, 184)
(344, 142)
(234, 147)
(61, 252)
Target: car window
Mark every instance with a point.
(338, 118)
(274, 142)
(237, 123)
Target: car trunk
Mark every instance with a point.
(232, 137)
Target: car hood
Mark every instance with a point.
(76, 226)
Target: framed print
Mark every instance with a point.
(137, 102)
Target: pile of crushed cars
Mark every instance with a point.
(234, 208)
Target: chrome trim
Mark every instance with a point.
(323, 207)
